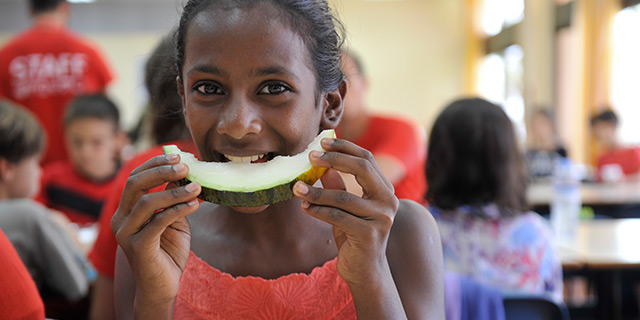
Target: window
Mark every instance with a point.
(500, 14)
(501, 82)
(625, 72)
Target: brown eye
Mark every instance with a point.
(208, 89)
(273, 88)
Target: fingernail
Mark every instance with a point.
(305, 204)
(316, 154)
(302, 188)
(192, 202)
(191, 187)
(327, 141)
(179, 167)
(171, 156)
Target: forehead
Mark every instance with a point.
(86, 126)
(243, 36)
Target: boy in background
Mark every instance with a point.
(79, 186)
(626, 158)
(48, 251)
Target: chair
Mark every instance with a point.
(533, 307)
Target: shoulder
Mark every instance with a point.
(412, 221)
(414, 235)
(527, 229)
(395, 122)
(25, 210)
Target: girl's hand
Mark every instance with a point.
(361, 225)
(153, 230)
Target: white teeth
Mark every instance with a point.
(244, 159)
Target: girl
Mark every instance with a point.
(477, 183)
(263, 78)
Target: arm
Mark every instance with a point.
(415, 256)
(153, 233)
(361, 230)
(102, 299)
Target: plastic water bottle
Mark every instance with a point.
(566, 205)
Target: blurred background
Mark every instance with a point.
(572, 57)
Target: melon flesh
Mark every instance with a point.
(252, 184)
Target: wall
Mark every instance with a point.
(413, 49)
(413, 52)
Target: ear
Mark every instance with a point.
(6, 170)
(333, 106)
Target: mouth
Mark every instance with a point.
(258, 158)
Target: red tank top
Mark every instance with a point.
(207, 293)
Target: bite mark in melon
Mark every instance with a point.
(251, 184)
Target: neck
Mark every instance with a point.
(53, 19)
(4, 193)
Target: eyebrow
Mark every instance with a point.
(274, 70)
(260, 72)
(206, 69)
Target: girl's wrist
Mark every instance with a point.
(370, 275)
(147, 307)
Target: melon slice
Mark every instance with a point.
(251, 184)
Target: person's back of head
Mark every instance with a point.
(473, 159)
(167, 121)
(21, 144)
(92, 132)
(43, 6)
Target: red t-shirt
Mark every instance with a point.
(19, 297)
(627, 158)
(42, 69)
(79, 198)
(403, 141)
(103, 253)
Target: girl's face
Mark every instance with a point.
(248, 88)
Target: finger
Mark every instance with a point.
(350, 148)
(164, 219)
(334, 216)
(149, 204)
(333, 180)
(138, 184)
(339, 199)
(156, 161)
(367, 174)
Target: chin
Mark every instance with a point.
(250, 210)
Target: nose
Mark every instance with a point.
(239, 118)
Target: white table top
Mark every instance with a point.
(608, 243)
(590, 193)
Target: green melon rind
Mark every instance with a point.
(268, 196)
(246, 199)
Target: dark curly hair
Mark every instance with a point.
(313, 20)
(41, 6)
(473, 159)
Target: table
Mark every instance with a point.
(591, 193)
(604, 248)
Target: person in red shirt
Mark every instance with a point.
(616, 160)
(78, 187)
(19, 297)
(47, 65)
(397, 144)
(165, 125)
